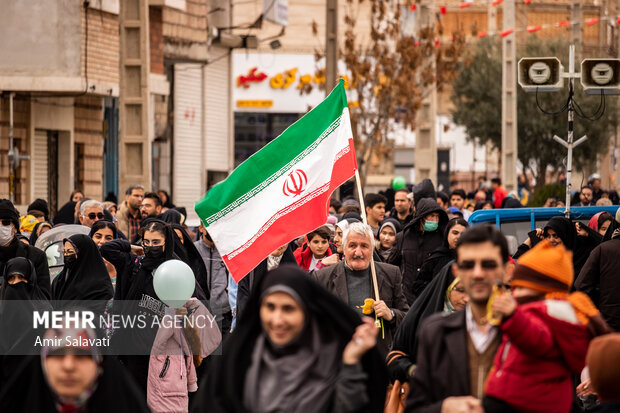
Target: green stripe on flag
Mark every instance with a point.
(277, 157)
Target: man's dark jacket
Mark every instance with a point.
(389, 282)
(600, 277)
(413, 246)
(443, 367)
(38, 258)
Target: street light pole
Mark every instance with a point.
(570, 145)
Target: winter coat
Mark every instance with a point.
(303, 256)
(408, 218)
(599, 278)
(172, 373)
(413, 245)
(431, 267)
(543, 345)
(217, 279)
(443, 363)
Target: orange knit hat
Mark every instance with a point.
(545, 268)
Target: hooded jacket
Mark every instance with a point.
(414, 245)
(424, 189)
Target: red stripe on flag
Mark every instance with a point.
(482, 34)
(311, 212)
(443, 10)
(506, 32)
(533, 29)
(467, 4)
(592, 21)
(496, 2)
(526, 2)
(414, 7)
(562, 23)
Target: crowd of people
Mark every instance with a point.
(395, 304)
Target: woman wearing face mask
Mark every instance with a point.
(101, 232)
(20, 297)
(134, 286)
(297, 348)
(444, 293)
(70, 379)
(84, 277)
(441, 256)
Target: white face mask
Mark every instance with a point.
(6, 234)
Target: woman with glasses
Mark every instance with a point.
(135, 267)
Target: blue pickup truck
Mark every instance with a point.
(515, 223)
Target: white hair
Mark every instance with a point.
(89, 204)
(361, 229)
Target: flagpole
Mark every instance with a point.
(363, 208)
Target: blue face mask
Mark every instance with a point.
(431, 226)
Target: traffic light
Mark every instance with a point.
(601, 76)
(542, 74)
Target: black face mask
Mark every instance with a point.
(154, 252)
(70, 260)
(18, 291)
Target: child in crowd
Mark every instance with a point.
(309, 257)
(546, 333)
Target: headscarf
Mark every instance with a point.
(565, 229)
(193, 258)
(171, 216)
(448, 304)
(148, 264)
(247, 346)
(113, 390)
(88, 278)
(391, 222)
(593, 223)
(66, 214)
(34, 236)
(93, 230)
(17, 304)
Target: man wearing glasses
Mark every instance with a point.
(91, 211)
(11, 247)
(456, 350)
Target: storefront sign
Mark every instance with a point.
(280, 79)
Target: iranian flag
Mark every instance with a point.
(282, 191)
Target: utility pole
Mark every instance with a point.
(425, 155)
(576, 31)
(570, 145)
(331, 45)
(509, 100)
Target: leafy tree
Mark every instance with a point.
(477, 106)
(388, 73)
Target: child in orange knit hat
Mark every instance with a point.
(546, 333)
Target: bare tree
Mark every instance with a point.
(388, 73)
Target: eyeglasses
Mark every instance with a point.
(6, 222)
(471, 264)
(98, 215)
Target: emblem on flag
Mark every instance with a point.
(295, 183)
